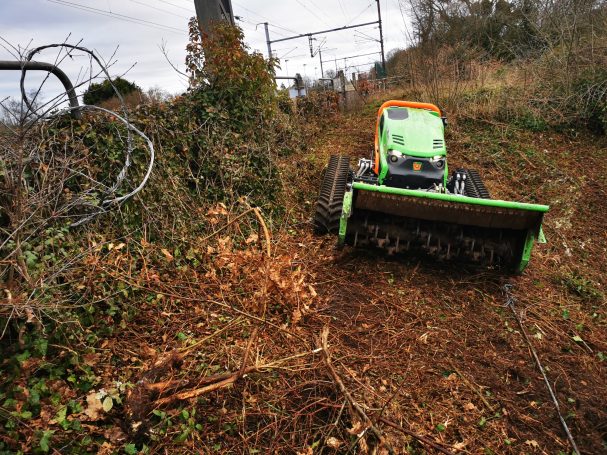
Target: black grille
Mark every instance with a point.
(398, 139)
(437, 144)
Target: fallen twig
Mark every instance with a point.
(252, 339)
(510, 304)
(218, 381)
(214, 382)
(420, 438)
(266, 232)
(355, 408)
(214, 334)
(264, 227)
(217, 231)
(471, 387)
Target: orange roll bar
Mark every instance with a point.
(397, 103)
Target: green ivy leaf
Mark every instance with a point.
(130, 449)
(25, 415)
(45, 440)
(60, 417)
(23, 356)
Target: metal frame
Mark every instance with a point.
(23, 66)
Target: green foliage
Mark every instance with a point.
(285, 103)
(530, 121)
(103, 91)
(238, 83)
(591, 98)
(502, 29)
(318, 104)
(582, 287)
(218, 143)
(562, 79)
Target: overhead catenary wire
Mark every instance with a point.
(365, 36)
(360, 14)
(256, 24)
(265, 19)
(312, 12)
(343, 11)
(406, 32)
(122, 17)
(147, 5)
(309, 35)
(351, 57)
(176, 6)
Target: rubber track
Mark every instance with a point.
(330, 200)
(474, 184)
(479, 186)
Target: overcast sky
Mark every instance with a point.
(136, 29)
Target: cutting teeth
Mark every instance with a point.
(436, 240)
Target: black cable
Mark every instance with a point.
(265, 19)
(176, 6)
(159, 9)
(312, 12)
(123, 17)
(360, 14)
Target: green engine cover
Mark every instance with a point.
(413, 132)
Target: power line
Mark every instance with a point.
(280, 28)
(312, 12)
(351, 57)
(189, 2)
(253, 23)
(341, 7)
(364, 35)
(296, 56)
(347, 67)
(308, 35)
(159, 9)
(176, 6)
(320, 9)
(361, 13)
(123, 17)
(265, 19)
(406, 32)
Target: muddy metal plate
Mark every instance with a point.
(447, 211)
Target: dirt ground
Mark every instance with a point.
(222, 352)
(430, 347)
(433, 347)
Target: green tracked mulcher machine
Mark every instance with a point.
(404, 199)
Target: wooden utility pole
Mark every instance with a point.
(209, 11)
